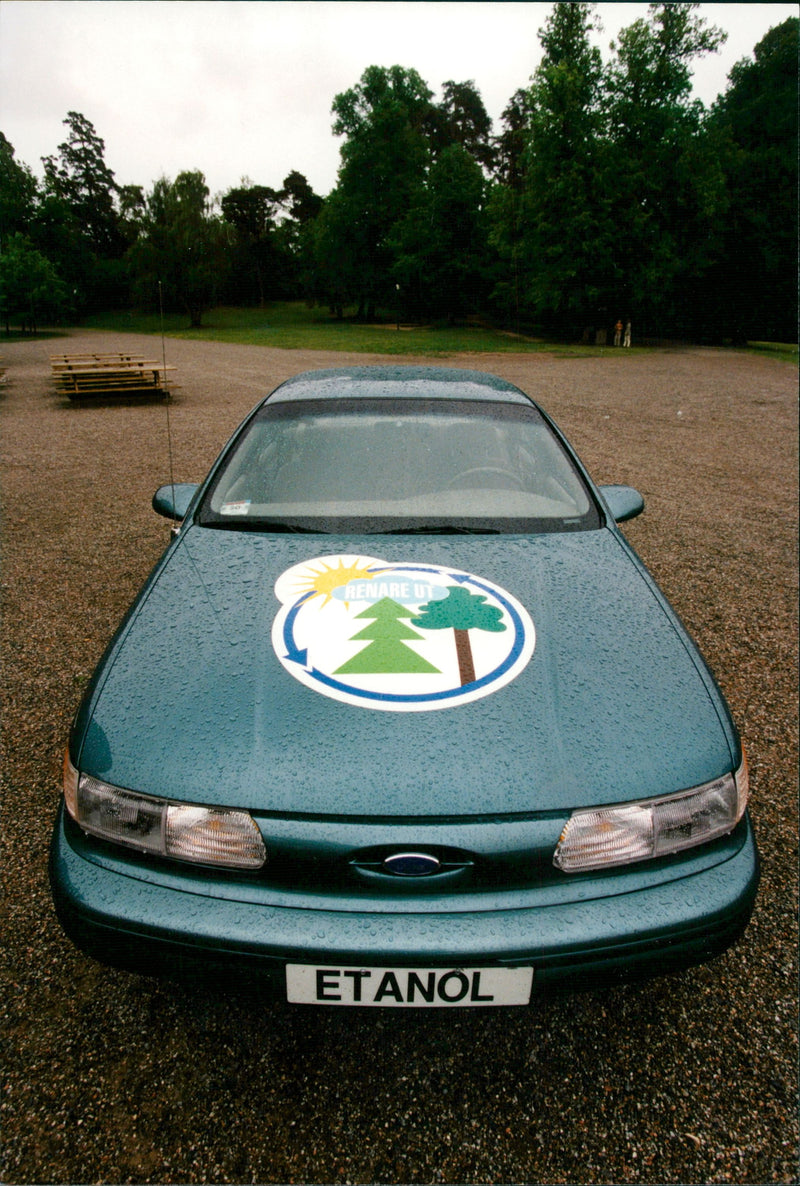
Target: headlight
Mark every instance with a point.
(183, 831)
(610, 836)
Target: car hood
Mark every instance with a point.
(194, 701)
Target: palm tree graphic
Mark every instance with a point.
(386, 651)
(461, 611)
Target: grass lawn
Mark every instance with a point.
(293, 326)
(785, 351)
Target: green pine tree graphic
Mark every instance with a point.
(386, 652)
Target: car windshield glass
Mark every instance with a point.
(367, 465)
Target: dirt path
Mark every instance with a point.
(115, 1078)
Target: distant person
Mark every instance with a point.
(617, 333)
(627, 340)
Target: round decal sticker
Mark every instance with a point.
(398, 637)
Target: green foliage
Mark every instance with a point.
(75, 221)
(460, 610)
(384, 159)
(461, 119)
(608, 193)
(441, 245)
(272, 244)
(754, 130)
(299, 199)
(251, 210)
(667, 185)
(80, 177)
(18, 193)
(132, 210)
(396, 218)
(182, 246)
(30, 288)
(564, 204)
(335, 278)
(394, 94)
(508, 230)
(651, 78)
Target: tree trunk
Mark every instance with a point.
(466, 666)
(195, 312)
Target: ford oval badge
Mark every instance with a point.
(412, 864)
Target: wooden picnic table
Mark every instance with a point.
(96, 356)
(82, 375)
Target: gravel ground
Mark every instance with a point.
(118, 1078)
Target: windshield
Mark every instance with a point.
(370, 465)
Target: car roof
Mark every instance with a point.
(398, 382)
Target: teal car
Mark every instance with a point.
(400, 719)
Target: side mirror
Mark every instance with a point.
(173, 501)
(623, 501)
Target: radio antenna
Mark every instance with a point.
(168, 396)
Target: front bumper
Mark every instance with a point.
(597, 937)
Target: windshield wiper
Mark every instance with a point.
(277, 525)
(439, 529)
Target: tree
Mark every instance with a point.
(29, 285)
(386, 651)
(507, 226)
(566, 252)
(461, 118)
(77, 223)
(81, 178)
(511, 144)
(395, 217)
(296, 235)
(442, 243)
(461, 611)
(667, 188)
(753, 287)
(18, 191)
(132, 211)
(298, 198)
(183, 246)
(384, 157)
(251, 210)
(335, 277)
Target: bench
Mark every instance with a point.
(94, 356)
(79, 376)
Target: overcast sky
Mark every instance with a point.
(245, 88)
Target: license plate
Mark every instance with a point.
(415, 988)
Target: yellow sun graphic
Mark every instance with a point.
(322, 582)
